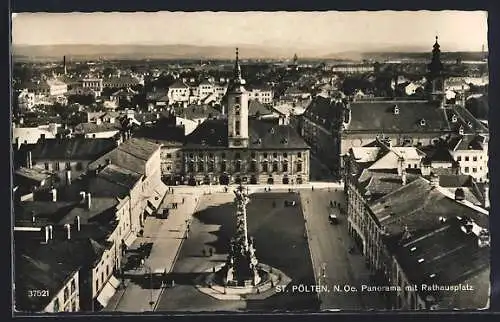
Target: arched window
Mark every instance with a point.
(57, 305)
(73, 285)
(66, 294)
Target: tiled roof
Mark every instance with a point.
(380, 117)
(478, 107)
(467, 142)
(131, 155)
(447, 181)
(438, 153)
(162, 134)
(99, 206)
(262, 135)
(365, 154)
(35, 274)
(467, 120)
(33, 174)
(72, 149)
(256, 108)
(418, 205)
(193, 112)
(46, 212)
(97, 128)
(376, 183)
(445, 256)
(178, 84)
(120, 176)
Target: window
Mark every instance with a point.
(56, 166)
(200, 154)
(56, 305)
(237, 126)
(275, 166)
(169, 155)
(299, 167)
(191, 155)
(223, 166)
(191, 167)
(200, 166)
(237, 155)
(252, 154)
(265, 155)
(415, 166)
(285, 155)
(178, 154)
(47, 167)
(73, 306)
(79, 166)
(467, 158)
(409, 166)
(102, 277)
(265, 167)
(237, 167)
(253, 166)
(275, 155)
(73, 286)
(466, 170)
(66, 294)
(211, 166)
(474, 170)
(299, 155)
(474, 158)
(97, 285)
(210, 155)
(68, 166)
(285, 166)
(459, 158)
(223, 155)
(107, 270)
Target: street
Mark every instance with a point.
(166, 236)
(329, 245)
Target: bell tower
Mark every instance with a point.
(237, 109)
(436, 75)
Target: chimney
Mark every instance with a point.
(64, 65)
(68, 177)
(77, 223)
(403, 178)
(400, 166)
(89, 200)
(68, 230)
(53, 194)
(47, 234)
(82, 196)
(33, 217)
(51, 230)
(486, 197)
(29, 160)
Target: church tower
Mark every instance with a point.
(237, 109)
(436, 75)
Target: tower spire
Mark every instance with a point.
(237, 67)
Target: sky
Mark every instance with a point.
(340, 31)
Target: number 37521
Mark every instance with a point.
(38, 293)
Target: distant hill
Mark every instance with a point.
(89, 52)
(79, 52)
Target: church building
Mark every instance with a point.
(239, 149)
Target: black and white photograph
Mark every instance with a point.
(191, 162)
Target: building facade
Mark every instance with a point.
(237, 149)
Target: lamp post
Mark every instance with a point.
(151, 302)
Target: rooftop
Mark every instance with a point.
(33, 174)
(72, 149)
(262, 135)
(131, 155)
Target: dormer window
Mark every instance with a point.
(432, 275)
(454, 119)
(421, 260)
(461, 130)
(413, 249)
(469, 124)
(422, 122)
(395, 110)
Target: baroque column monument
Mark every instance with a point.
(241, 266)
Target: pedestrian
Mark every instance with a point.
(183, 200)
(211, 252)
(204, 252)
(312, 188)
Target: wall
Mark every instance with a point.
(72, 301)
(246, 156)
(171, 160)
(101, 135)
(470, 160)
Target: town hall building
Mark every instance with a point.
(241, 149)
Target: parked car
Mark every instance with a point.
(333, 219)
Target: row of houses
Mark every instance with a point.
(421, 228)
(75, 213)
